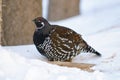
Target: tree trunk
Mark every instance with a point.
(61, 9)
(17, 16)
(0, 18)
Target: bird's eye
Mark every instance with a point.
(42, 23)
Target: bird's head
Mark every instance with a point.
(40, 22)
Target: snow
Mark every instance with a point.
(99, 25)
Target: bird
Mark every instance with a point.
(58, 43)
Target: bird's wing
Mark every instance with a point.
(64, 39)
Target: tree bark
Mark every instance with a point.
(0, 19)
(17, 16)
(62, 9)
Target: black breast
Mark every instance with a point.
(38, 38)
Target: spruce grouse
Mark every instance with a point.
(58, 43)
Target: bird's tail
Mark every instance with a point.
(91, 50)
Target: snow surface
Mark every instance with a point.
(100, 26)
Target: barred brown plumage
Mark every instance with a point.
(58, 43)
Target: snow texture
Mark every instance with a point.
(99, 25)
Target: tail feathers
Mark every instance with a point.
(91, 50)
(97, 53)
